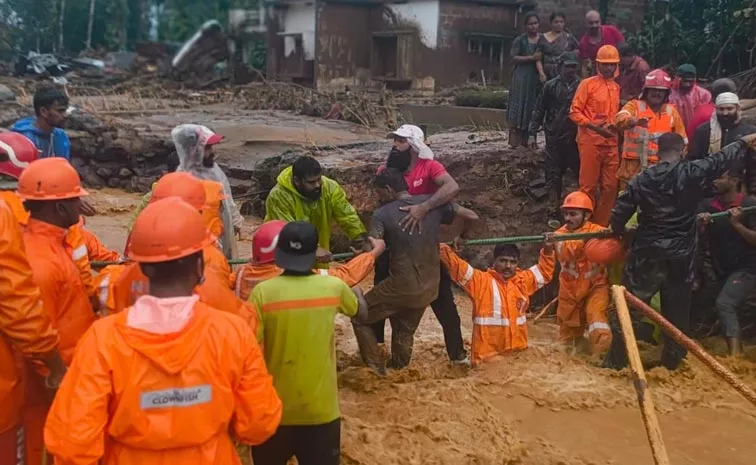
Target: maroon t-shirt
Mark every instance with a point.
(610, 35)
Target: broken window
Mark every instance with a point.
(491, 49)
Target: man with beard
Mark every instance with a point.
(724, 127)
(644, 120)
(687, 96)
(414, 264)
(302, 193)
(596, 36)
(593, 110)
(552, 110)
(424, 176)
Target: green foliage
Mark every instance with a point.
(715, 35)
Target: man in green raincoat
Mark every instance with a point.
(302, 193)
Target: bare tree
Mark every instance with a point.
(89, 25)
(60, 24)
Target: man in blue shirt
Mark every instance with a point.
(46, 128)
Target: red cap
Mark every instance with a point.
(214, 139)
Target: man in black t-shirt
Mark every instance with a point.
(732, 248)
(414, 270)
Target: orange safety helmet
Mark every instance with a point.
(607, 54)
(167, 230)
(182, 185)
(658, 79)
(578, 199)
(265, 240)
(50, 179)
(604, 251)
(20, 151)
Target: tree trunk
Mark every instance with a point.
(60, 25)
(89, 25)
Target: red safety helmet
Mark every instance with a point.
(20, 151)
(265, 240)
(658, 79)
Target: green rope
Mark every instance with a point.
(478, 242)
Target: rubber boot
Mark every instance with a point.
(734, 346)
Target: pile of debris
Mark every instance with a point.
(371, 110)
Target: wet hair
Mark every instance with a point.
(737, 170)
(506, 250)
(626, 50)
(393, 178)
(720, 86)
(670, 142)
(529, 15)
(47, 97)
(306, 167)
(555, 15)
(166, 272)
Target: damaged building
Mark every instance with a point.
(421, 45)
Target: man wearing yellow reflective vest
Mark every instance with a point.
(302, 193)
(297, 311)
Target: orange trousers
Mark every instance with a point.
(576, 315)
(12, 446)
(598, 172)
(34, 415)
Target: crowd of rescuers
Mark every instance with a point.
(119, 363)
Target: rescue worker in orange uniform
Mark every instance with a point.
(25, 331)
(169, 379)
(644, 120)
(214, 291)
(583, 286)
(262, 267)
(51, 189)
(500, 297)
(594, 106)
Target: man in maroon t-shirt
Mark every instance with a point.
(424, 176)
(595, 37)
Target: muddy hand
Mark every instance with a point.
(549, 238)
(413, 220)
(704, 218)
(457, 243)
(750, 139)
(379, 246)
(736, 215)
(323, 256)
(86, 208)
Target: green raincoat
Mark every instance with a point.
(285, 203)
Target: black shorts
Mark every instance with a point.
(311, 445)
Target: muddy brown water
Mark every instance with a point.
(543, 406)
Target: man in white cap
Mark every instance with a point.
(424, 175)
(725, 126)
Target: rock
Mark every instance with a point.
(78, 163)
(114, 182)
(90, 178)
(125, 173)
(6, 95)
(104, 172)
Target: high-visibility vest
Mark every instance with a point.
(641, 143)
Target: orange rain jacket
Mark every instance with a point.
(84, 248)
(211, 212)
(14, 202)
(25, 327)
(596, 101)
(499, 306)
(248, 276)
(136, 398)
(126, 284)
(63, 293)
(583, 292)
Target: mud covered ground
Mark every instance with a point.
(543, 406)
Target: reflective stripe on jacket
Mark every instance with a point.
(641, 143)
